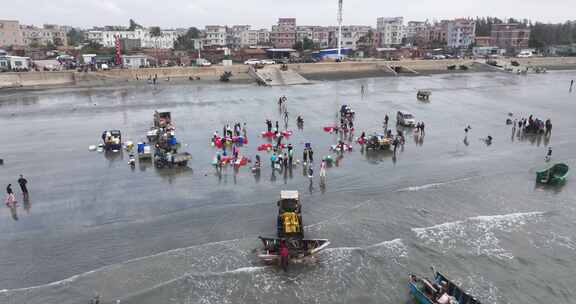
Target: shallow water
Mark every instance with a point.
(93, 226)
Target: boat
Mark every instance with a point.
(112, 140)
(289, 221)
(424, 95)
(553, 175)
(299, 249)
(438, 291)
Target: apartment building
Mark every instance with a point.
(107, 38)
(391, 30)
(252, 38)
(283, 34)
(216, 36)
(510, 36)
(461, 33)
(48, 34)
(10, 33)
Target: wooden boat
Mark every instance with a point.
(298, 249)
(438, 291)
(553, 175)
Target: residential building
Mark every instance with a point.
(319, 35)
(215, 36)
(438, 33)
(461, 33)
(392, 31)
(107, 38)
(283, 34)
(417, 32)
(48, 34)
(234, 35)
(253, 38)
(10, 33)
(510, 35)
(351, 35)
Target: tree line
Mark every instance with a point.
(541, 34)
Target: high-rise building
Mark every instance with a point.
(252, 38)
(392, 31)
(283, 34)
(351, 35)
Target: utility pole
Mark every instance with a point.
(340, 29)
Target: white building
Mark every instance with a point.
(107, 38)
(252, 38)
(48, 34)
(235, 35)
(215, 35)
(135, 61)
(14, 63)
(391, 30)
(461, 33)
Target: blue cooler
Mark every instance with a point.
(141, 147)
(172, 141)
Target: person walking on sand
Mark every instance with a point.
(22, 182)
(549, 154)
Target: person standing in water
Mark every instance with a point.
(571, 85)
(549, 154)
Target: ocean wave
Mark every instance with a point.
(475, 234)
(432, 185)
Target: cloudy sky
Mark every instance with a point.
(261, 13)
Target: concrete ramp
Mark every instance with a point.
(273, 76)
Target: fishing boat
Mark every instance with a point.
(299, 249)
(553, 175)
(438, 291)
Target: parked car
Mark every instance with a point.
(405, 119)
(438, 57)
(524, 54)
(252, 61)
(267, 61)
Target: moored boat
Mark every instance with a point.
(438, 291)
(553, 175)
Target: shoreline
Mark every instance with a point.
(38, 81)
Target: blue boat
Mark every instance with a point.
(439, 291)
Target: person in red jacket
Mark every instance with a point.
(284, 255)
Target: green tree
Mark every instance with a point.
(75, 37)
(155, 31)
(304, 44)
(186, 42)
(133, 25)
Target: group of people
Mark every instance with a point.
(533, 125)
(282, 161)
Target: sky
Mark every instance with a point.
(262, 14)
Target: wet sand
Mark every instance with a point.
(187, 236)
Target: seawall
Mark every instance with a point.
(328, 70)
